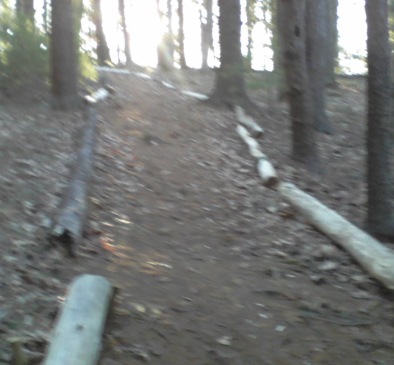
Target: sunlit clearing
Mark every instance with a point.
(144, 26)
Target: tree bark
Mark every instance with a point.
(230, 84)
(332, 48)
(126, 34)
(69, 225)
(102, 49)
(304, 148)
(165, 48)
(181, 36)
(25, 8)
(380, 210)
(64, 60)
(206, 21)
(317, 46)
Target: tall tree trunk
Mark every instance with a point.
(278, 48)
(380, 209)
(250, 22)
(102, 49)
(165, 48)
(181, 36)
(45, 16)
(230, 84)
(64, 60)
(317, 46)
(332, 46)
(26, 9)
(304, 148)
(206, 21)
(126, 34)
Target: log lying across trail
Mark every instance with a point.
(375, 258)
(69, 223)
(77, 336)
(248, 122)
(248, 129)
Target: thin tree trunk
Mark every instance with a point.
(102, 49)
(380, 209)
(26, 9)
(278, 45)
(230, 84)
(126, 34)
(317, 46)
(250, 22)
(298, 84)
(45, 16)
(181, 36)
(206, 21)
(332, 47)
(64, 60)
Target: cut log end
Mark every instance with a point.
(61, 235)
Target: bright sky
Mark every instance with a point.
(145, 30)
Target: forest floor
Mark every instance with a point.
(212, 268)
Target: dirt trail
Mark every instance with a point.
(212, 268)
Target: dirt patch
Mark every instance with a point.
(212, 267)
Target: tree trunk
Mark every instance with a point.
(64, 61)
(126, 34)
(45, 16)
(317, 46)
(380, 209)
(165, 48)
(250, 22)
(206, 21)
(102, 49)
(25, 8)
(230, 84)
(300, 98)
(332, 46)
(278, 49)
(181, 36)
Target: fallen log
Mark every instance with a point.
(195, 95)
(98, 95)
(375, 258)
(264, 167)
(113, 70)
(247, 121)
(267, 173)
(69, 223)
(77, 336)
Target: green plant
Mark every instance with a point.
(24, 51)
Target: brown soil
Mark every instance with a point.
(212, 268)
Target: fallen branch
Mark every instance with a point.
(77, 337)
(113, 70)
(195, 95)
(68, 226)
(100, 94)
(248, 122)
(375, 258)
(264, 166)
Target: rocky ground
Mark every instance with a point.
(211, 267)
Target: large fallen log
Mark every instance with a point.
(264, 167)
(77, 336)
(247, 121)
(375, 258)
(69, 223)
